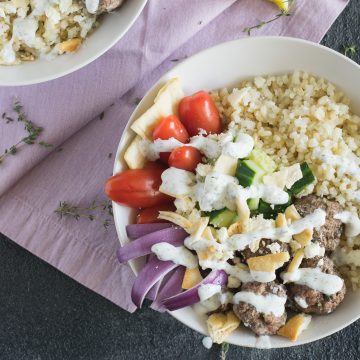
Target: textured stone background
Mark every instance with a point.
(46, 315)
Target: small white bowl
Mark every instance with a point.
(224, 66)
(111, 29)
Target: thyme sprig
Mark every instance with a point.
(101, 212)
(349, 51)
(224, 350)
(262, 23)
(33, 131)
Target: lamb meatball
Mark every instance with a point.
(102, 6)
(264, 249)
(260, 324)
(302, 298)
(329, 234)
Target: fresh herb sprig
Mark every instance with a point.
(101, 212)
(224, 350)
(33, 131)
(350, 51)
(262, 23)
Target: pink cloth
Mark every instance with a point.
(34, 181)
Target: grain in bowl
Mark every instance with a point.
(31, 29)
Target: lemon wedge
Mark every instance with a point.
(283, 5)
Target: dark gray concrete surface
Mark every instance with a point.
(46, 315)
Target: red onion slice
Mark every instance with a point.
(135, 231)
(171, 287)
(190, 297)
(142, 245)
(150, 274)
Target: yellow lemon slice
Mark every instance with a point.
(283, 5)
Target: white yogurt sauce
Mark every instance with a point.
(179, 255)
(301, 302)
(177, 182)
(239, 149)
(263, 276)
(152, 149)
(92, 6)
(269, 193)
(25, 30)
(274, 247)
(312, 250)
(344, 164)
(206, 145)
(313, 220)
(206, 291)
(265, 304)
(351, 221)
(213, 194)
(315, 279)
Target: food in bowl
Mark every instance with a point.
(266, 221)
(30, 29)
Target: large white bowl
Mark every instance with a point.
(224, 66)
(112, 27)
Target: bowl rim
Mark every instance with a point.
(81, 64)
(134, 115)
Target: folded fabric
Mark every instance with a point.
(34, 181)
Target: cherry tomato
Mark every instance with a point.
(185, 157)
(170, 126)
(150, 215)
(137, 188)
(199, 112)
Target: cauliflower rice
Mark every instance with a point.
(30, 29)
(291, 117)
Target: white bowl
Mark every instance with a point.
(224, 66)
(111, 29)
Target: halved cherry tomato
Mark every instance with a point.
(150, 215)
(185, 157)
(199, 112)
(170, 126)
(138, 188)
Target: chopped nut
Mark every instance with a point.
(280, 220)
(176, 219)
(221, 325)
(191, 278)
(292, 214)
(235, 228)
(268, 263)
(304, 237)
(295, 326)
(296, 261)
(233, 282)
(70, 45)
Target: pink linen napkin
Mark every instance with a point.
(34, 181)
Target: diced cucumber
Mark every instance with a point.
(270, 212)
(263, 160)
(248, 172)
(223, 218)
(253, 204)
(307, 179)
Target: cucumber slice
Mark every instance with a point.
(271, 212)
(248, 172)
(263, 160)
(222, 218)
(253, 204)
(307, 179)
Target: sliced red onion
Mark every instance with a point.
(190, 297)
(150, 274)
(142, 245)
(171, 287)
(135, 231)
(153, 292)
